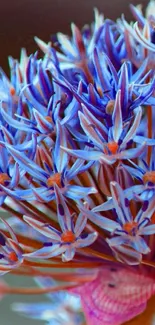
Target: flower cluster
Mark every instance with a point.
(77, 169)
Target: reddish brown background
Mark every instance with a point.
(20, 20)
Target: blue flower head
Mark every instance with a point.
(77, 171)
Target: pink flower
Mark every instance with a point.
(116, 295)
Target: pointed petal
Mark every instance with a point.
(69, 254)
(101, 221)
(43, 228)
(116, 241)
(89, 240)
(63, 213)
(76, 192)
(148, 230)
(119, 203)
(89, 129)
(60, 155)
(133, 129)
(84, 154)
(47, 252)
(140, 245)
(117, 118)
(80, 224)
(27, 164)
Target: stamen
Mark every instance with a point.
(13, 257)
(48, 119)
(113, 147)
(149, 177)
(68, 237)
(12, 91)
(54, 179)
(110, 107)
(100, 92)
(130, 226)
(4, 177)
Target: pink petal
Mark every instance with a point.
(115, 296)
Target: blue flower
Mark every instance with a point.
(11, 254)
(145, 174)
(112, 143)
(9, 174)
(140, 36)
(126, 230)
(49, 170)
(68, 239)
(75, 52)
(38, 103)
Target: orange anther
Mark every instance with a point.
(100, 92)
(149, 177)
(4, 177)
(12, 91)
(48, 119)
(68, 237)
(113, 147)
(13, 257)
(110, 107)
(129, 226)
(54, 179)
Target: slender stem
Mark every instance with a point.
(37, 291)
(64, 277)
(149, 263)
(12, 211)
(99, 254)
(27, 241)
(30, 209)
(63, 265)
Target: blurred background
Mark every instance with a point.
(20, 21)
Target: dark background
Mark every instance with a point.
(20, 20)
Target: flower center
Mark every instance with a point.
(54, 179)
(68, 237)
(113, 147)
(4, 177)
(130, 226)
(149, 177)
(13, 257)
